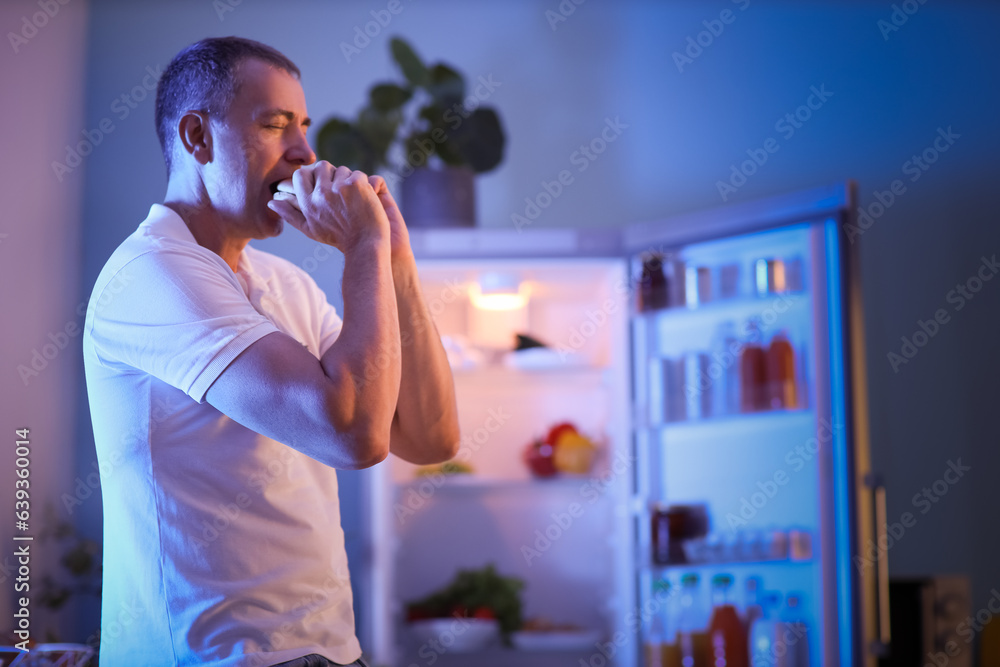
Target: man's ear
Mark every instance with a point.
(196, 136)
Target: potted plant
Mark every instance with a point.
(423, 136)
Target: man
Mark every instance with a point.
(225, 390)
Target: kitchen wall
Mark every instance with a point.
(42, 70)
(691, 87)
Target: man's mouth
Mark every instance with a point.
(274, 188)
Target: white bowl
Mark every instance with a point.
(457, 634)
(556, 640)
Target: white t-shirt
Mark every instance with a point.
(221, 546)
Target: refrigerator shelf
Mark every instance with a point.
(505, 657)
(498, 376)
(728, 564)
(473, 484)
(727, 306)
(762, 419)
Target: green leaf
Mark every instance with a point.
(389, 96)
(409, 62)
(379, 130)
(445, 84)
(479, 588)
(480, 140)
(340, 143)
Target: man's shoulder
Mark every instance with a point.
(152, 252)
(268, 265)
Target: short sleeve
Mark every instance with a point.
(330, 324)
(178, 315)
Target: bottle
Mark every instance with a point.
(727, 635)
(724, 370)
(782, 393)
(797, 631)
(692, 627)
(752, 609)
(753, 370)
(670, 650)
(653, 284)
(656, 635)
(766, 633)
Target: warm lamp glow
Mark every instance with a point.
(494, 292)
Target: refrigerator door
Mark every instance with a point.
(750, 399)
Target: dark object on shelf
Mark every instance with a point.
(672, 525)
(526, 342)
(652, 284)
(926, 615)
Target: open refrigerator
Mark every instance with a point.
(720, 450)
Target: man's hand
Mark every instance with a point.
(335, 206)
(399, 235)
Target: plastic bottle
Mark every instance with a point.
(782, 391)
(752, 609)
(670, 650)
(652, 646)
(727, 635)
(753, 370)
(692, 630)
(653, 284)
(661, 649)
(794, 619)
(765, 634)
(724, 370)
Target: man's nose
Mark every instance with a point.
(300, 152)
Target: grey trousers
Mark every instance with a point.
(316, 660)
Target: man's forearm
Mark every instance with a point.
(365, 360)
(426, 425)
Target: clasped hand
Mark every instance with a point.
(339, 207)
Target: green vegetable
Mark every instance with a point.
(474, 589)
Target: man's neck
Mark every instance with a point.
(205, 224)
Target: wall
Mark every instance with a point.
(890, 91)
(41, 76)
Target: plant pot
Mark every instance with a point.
(440, 198)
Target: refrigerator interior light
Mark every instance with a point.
(499, 310)
(497, 291)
